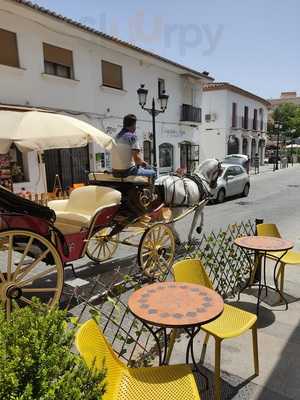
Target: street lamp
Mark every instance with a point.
(163, 102)
(292, 149)
(278, 126)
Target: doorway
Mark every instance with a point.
(71, 165)
(189, 156)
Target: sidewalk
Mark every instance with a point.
(269, 168)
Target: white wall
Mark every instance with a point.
(85, 97)
(215, 134)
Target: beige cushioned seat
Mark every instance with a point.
(78, 211)
(108, 177)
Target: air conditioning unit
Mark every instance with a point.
(210, 117)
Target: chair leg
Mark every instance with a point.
(255, 349)
(171, 345)
(204, 347)
(282, 277)
(218, 369)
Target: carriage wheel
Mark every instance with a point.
(101, 247)
(30, 266)
(156, 251)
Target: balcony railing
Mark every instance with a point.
(191, 113)
(240, 123)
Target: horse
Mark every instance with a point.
(180, 193)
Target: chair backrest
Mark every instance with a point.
(87, 199)
(191, 271)
(268, 230)
(96, 351)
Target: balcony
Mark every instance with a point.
(239, 122)
(190, 114)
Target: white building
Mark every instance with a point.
(234, 121)
(50, 62)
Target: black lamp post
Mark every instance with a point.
(292, 148)
(163, 100)
(278, 126)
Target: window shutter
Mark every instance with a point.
(58, 55)
(8, 49)
(112, 75)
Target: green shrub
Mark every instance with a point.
(36, 361)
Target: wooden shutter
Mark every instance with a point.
(112, 75)
(234, 116)
(58, 55)
(8, 48)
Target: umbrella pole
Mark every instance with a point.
(43, 174)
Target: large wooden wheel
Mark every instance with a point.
(30, 266)
(101, 246)
(156, 251)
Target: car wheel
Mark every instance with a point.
(220, 196)
(246, 190)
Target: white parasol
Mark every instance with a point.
(35, 130)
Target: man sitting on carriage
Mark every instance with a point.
(126, 152)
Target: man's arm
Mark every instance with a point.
(136, 154)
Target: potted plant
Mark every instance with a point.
(36, 360)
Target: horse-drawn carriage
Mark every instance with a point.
(37, 242)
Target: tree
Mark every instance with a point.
(288, 114)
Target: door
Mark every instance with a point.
(185, 156)
(239, 179)
(71, 165)
(231, 184)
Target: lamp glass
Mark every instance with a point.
(163, 101)
(142, 94)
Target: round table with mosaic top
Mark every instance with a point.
(175, 305)
(264, 246)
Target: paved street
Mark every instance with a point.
(274, 197)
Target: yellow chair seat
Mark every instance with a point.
(291, 257)
(167, 383)
(231, 323)
(122, 383)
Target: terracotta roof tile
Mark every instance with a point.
(228, 86)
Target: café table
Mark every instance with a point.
(263, 246)
(175, 305)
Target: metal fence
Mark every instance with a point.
(108, 295)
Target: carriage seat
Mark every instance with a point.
(109, 177)
(78, 211)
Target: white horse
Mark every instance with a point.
(183, 192)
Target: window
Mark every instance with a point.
(58, 61)
(255, 119)
(161, 87)
(165, 157)
(9, 49)
(234, 116)
(112, 75)
(246, 115)
(147, 151)
(261, 113)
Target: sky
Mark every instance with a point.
(254, 45)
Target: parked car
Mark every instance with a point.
(238, 159)
(233, 181)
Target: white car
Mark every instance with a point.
(233, 181)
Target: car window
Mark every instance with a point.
(230, 171)
(238, 170)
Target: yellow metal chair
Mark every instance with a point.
(231, 323)
(291, 258)
(123, 383)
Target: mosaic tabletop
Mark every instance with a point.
(174, 304)
(264, 243)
